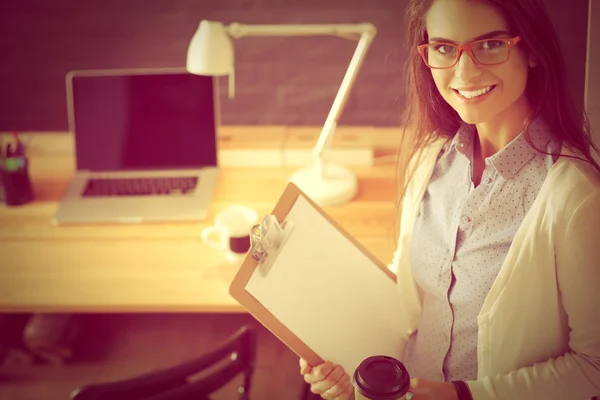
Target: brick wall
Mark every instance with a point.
(288, 81)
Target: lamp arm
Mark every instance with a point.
(326, 136)
(237, 30)
(367, 32)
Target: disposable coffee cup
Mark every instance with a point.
(380, 378)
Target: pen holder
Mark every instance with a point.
(14, 178)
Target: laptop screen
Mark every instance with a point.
(142, 122)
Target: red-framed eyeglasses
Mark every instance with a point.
(494, 51)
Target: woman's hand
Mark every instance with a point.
(431, 390)
(328, 380)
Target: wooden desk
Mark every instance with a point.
(159, 267)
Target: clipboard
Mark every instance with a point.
(317, 289)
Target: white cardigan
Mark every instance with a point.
(539, 327)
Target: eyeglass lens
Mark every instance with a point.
(486, 52)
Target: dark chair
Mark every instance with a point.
(231, 358)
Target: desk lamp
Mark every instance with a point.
(211, 53)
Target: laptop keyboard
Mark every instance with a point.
(103, 187)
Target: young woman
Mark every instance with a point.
(498, 262)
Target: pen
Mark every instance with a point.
(14, 158)
(19, 148)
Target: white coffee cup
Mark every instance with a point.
(231, 231)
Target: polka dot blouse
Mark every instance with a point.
(460, 240)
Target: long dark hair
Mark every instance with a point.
(428, 117)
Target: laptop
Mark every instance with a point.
(145, 146)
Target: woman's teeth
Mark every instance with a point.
(476, 93)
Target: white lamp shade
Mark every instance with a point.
(210, 51)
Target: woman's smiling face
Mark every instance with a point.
(479, 93)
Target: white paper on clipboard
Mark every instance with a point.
(329, 293)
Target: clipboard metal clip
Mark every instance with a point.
(267, 238)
